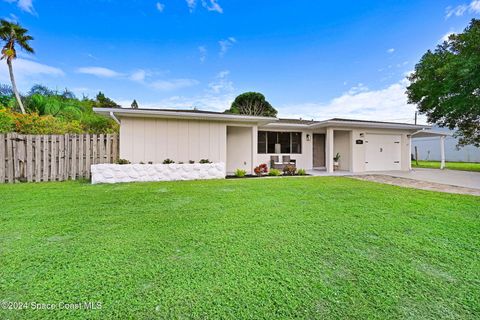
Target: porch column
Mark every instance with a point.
(254, 148)
(329, 150)
(442, 152)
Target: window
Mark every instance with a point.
(279, 142)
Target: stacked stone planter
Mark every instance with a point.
(115, 173)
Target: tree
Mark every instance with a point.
(103, 101)
(446, 84)
(13, 34)
(134, 104)
(253, 104)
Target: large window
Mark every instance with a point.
(279, 142)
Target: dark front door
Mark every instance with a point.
(318, 150)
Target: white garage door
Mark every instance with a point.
(383, 152)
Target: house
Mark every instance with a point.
(429, 149)
(244, 142)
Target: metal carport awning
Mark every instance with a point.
(427, 133)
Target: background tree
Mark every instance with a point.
(134, 104)
(103, 101)
(446, 84)
(253, 104)
(13, 34)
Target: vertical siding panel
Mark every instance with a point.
(138, 134)
(204, 141)
(194, 139)
(126, 139)
(161, 140)
(149, 138)
(172, 134)
(222, 143)
(182, 141)
(213, 138)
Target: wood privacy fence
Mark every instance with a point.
(28, 158)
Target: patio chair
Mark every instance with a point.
(275, 163)
(286, 160)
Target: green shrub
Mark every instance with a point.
(204, 161)
(168, 161)
(7, 121)
(274, 172)
(191, 161)
(240, 173)
(302, 172)
(123, 161)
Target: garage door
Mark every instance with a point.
(383, 152)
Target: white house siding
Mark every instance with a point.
(342, 145)
(239, 148)
(149, 139)
(304, 160)
(359, 150)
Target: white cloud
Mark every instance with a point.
(225, 45)
(221, 83)
(160, 6)
(100, 72)
(212, 5)
(460, 10)
(388, 104)
(191, 4)
(203, 53)
(173, 84)
(138, 75)
(27, 72)
(391, 50)
(24, 5)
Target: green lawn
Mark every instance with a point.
(465, 166)
(309, 247)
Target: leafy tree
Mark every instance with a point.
(13, 34)
(134, 104)
(446, 84)
(103, 101)
(253, 104)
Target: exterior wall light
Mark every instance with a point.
(308, 137)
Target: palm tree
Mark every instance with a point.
(13, 34)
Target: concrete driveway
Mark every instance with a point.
(451, 181)
(465, 179)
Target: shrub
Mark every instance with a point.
(261, 169)
(274, 172)
(203, 161)
(7, 121)
(240, 173)
(289, 170)
(302, 172)
(168, 161)
(32, 123)
(123, 161)
(191, 161)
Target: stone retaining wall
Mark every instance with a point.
(114, 173)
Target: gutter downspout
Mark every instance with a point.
(112, 115)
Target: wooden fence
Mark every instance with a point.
(35, 158)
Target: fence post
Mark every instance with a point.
(38, 158)
(29, 162)
(2, 158)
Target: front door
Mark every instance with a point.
(318, 150)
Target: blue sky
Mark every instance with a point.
(311, 59)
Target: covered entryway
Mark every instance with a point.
(382, 152)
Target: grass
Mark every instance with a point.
(465, 166)
(318, 247)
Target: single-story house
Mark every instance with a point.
(244, 142)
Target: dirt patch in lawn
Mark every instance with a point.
(418, 184)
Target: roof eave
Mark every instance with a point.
(366, 124)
